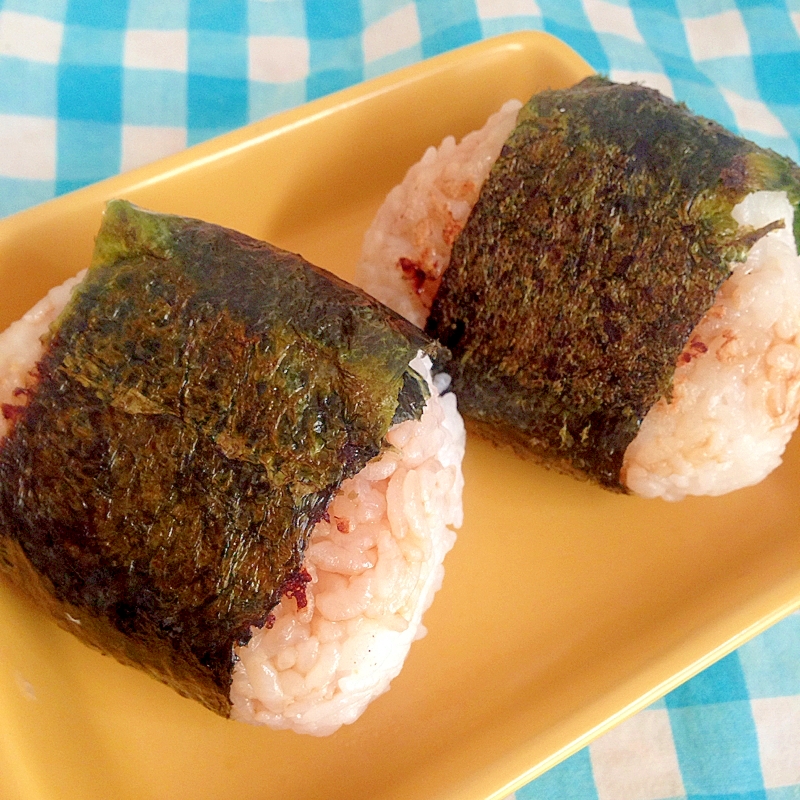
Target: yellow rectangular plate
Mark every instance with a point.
(564, 609)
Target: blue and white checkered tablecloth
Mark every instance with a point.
(89, 88)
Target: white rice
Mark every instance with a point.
(735, 399)
(374, 566)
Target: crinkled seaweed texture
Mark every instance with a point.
(597, 244)
(201, 399)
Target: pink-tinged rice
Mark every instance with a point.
(374, 567)
(735, 400)
(422, 217)
(736, 391)
(21, 345)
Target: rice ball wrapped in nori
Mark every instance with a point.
(229, 468)
(623, 302)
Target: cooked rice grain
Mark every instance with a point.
(736, 391)
(375, 566)
(407, 248)
(734, 401)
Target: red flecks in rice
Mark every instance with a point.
(693, 349)
(11, 412)
(294, 587)
(734, 400)
(413, 271)
(347, 619)
(342, 525)
(736, 390)
(21, 348)
(409, 242)
(320, 666)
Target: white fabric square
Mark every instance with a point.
(637, 759)
(778, 727)
(278, 59)
(653, 80)
(146, 49)
(611, 18)
(29, 37)
(717, 36)
(142, 144)
(795, 16)
(753, 115)
(495, 9)
(27, 147)
(395, 32)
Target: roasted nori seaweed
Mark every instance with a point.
(598, 242)
(200, 400)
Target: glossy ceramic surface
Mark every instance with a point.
(564, 608)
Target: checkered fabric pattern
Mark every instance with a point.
(731, 733)
(89, 88)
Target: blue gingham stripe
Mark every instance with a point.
(100, 86)
(731, 733)
(92, 87)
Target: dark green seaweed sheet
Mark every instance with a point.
(597, 244)
(201, 399)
